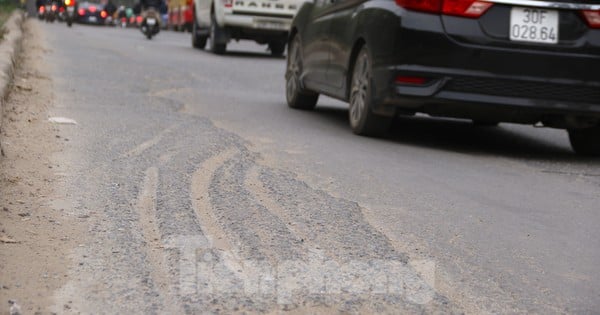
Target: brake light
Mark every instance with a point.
(592, 18)
(432, 6)
(228, 3)
(42, 9)
(103, 14)
(139, 19)
(81, 12)
(54, 7)
(61, 10)
(464, 8)
(92, 9)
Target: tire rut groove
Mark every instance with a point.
(259, 233)
(153, 248)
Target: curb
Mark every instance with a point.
(9, 50)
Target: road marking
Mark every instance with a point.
(146, 208)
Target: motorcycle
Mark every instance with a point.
(151, 23)
(51, 11)
(42, 12)
(70, 11)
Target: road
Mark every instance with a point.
(208, 194)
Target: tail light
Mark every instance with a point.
(61, 10)
(69, 2)
(592, 18)
(92, 9)
(42, 9)
(464, 8)
(54, 7)
(103, 14)
(432, 6)
(139, 19)
(81, 12)
(228, 3)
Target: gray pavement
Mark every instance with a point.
(202, 179)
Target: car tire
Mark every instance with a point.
(585, 141)
(295, 94)
(215, 29)
(277, 48)
(362, 119)
(198, 41)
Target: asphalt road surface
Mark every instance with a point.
(214, 196)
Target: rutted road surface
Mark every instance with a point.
(205, 194)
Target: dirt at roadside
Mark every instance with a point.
(36, 235)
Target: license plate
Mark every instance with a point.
(92, 19)
(151, 21)
(271, 25)
(534, 25)
(70, 9)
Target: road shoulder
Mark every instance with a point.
(37, 232)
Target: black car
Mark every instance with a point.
(520, 61)
(91, 13)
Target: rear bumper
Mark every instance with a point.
(522, 83)
(257, 22)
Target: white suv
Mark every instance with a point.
(264, 21)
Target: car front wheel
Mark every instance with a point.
(585, 141)
(362, 119)
(198, 41)
(295, 95)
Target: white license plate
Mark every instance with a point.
(92, 19)
(534, 25)
(151, 21)
(70, 9)
(271, 25)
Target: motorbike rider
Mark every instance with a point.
(110, 8)
(147, 4)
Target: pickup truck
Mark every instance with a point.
(264, 21)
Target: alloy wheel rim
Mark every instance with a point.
(360, 84)
(293, 71)
(212, 34)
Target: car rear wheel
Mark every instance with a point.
(362, 119)
(277, 48)
(215, 31)
(295, 95)
(198, 41)
(585, 141)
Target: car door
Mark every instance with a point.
(341, 36)
(315, 42)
